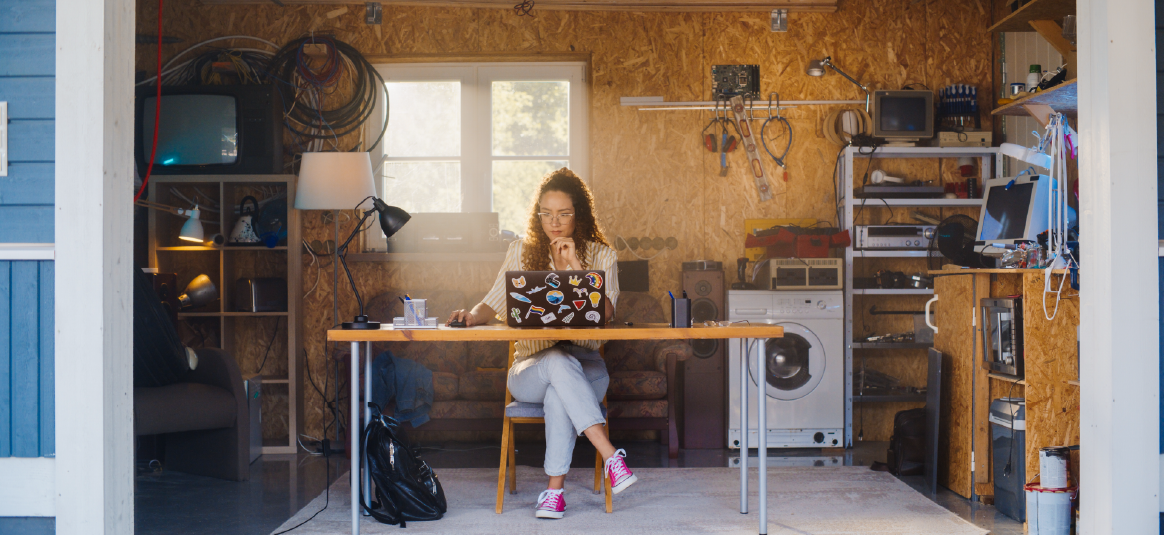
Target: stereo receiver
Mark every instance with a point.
(894, 236)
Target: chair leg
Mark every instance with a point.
(673, 441)
(506, 426)
(512, 461)
(597, 472)
(609, 492)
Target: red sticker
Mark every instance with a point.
(579, 304)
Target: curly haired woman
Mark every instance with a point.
(568, 377)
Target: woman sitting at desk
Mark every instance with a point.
(568, 377)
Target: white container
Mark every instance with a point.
(1053, 467)
(1048, 510)
(415, 311)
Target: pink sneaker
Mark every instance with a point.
(620, 476)
(551, 504)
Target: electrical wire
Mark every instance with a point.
(157, 111)
(266, 353)
(326, 497)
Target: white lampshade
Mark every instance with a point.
(334, 180)
(192, 229)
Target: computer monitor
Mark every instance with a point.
(1014, 210)
(903, 116)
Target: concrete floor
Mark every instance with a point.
(280, 485)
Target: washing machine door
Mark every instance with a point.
(793, 365)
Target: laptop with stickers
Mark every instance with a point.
(555, 298)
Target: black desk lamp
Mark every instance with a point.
(340, 181)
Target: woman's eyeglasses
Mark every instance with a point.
(551, 218)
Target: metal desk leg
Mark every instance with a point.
(762, 431)
(743, 427)
(367, 415)
(354, 434)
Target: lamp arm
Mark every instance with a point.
(342, 253)
(850, 78)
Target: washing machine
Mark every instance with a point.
(804, 371)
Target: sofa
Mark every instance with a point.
(203, 419)
(469, 378)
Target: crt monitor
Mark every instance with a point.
(903, 116)
(1014, 210)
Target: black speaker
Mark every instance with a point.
(705, 374)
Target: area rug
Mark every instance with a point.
(801, 501)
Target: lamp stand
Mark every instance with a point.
(361, 321)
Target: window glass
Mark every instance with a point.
(514, 184)
(425, 119)
(531, 118)
(423, 186)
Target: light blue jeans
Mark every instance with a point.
(570, 382)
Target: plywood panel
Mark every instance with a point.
(954, 339)
(649, 173)
(1051, 360)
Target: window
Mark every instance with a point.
(478, 137)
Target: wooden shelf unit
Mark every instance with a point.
(1035, 10)
(968, 386)
(238, 332)
(1063, 98)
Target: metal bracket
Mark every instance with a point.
(373, 13)
(779, 20)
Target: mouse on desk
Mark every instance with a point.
(456, 323)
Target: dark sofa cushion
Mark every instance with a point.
(182, 407)
(648, 408)
(444, 386)
(466, 409)
(483, 385)
(643, 384)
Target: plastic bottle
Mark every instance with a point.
(1034, 77)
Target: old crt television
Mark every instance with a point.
(210, 129)
(1014, 210)
(903, 116)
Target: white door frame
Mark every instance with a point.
(94, 259)
(1119, 307)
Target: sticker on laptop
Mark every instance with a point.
(595, 280)
(549, 317)
(554, 297)
(516, 314)
(553, 281)
(568, 317)
(519, 282)
(581, 292)
(580, 304)
(563, 308)
(575, 280)
(595, 298)
(536, 290)
(594, 316)
(519, 297)
(535, 310)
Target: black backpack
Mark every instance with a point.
(906, 454)
(406, 488)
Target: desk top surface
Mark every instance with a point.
(639, 331)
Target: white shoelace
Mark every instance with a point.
(619, 468)
(547, 494)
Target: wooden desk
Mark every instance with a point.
(643, 331)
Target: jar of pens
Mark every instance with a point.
(415, 315)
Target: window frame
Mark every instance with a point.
(477, 157)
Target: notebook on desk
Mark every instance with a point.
(555, 298)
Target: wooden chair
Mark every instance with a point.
(533, 413)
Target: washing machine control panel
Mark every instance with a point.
(783, 304)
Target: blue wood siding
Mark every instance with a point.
(26, 359)
(28, 84)
(27, 195)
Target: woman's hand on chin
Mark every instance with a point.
(565, 254)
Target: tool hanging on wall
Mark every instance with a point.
(782, 161)
(754, 163)
(728, 142)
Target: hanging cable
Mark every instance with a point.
(157, 111)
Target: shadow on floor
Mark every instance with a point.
(280, 485)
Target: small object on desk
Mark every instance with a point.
(456, 323)
(680, 312)
(630, 324)
(399, 323)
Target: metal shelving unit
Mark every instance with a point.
(989, 160)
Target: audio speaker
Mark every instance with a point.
(704, 373)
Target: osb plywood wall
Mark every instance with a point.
(649, 173)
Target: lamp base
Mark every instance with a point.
(361, 323)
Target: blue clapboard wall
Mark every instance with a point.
(26, 358)
(27, 83)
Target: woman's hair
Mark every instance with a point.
(535, 255)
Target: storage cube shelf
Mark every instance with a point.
(245, 335)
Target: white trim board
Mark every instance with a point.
(29, 487)
(27, 251)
